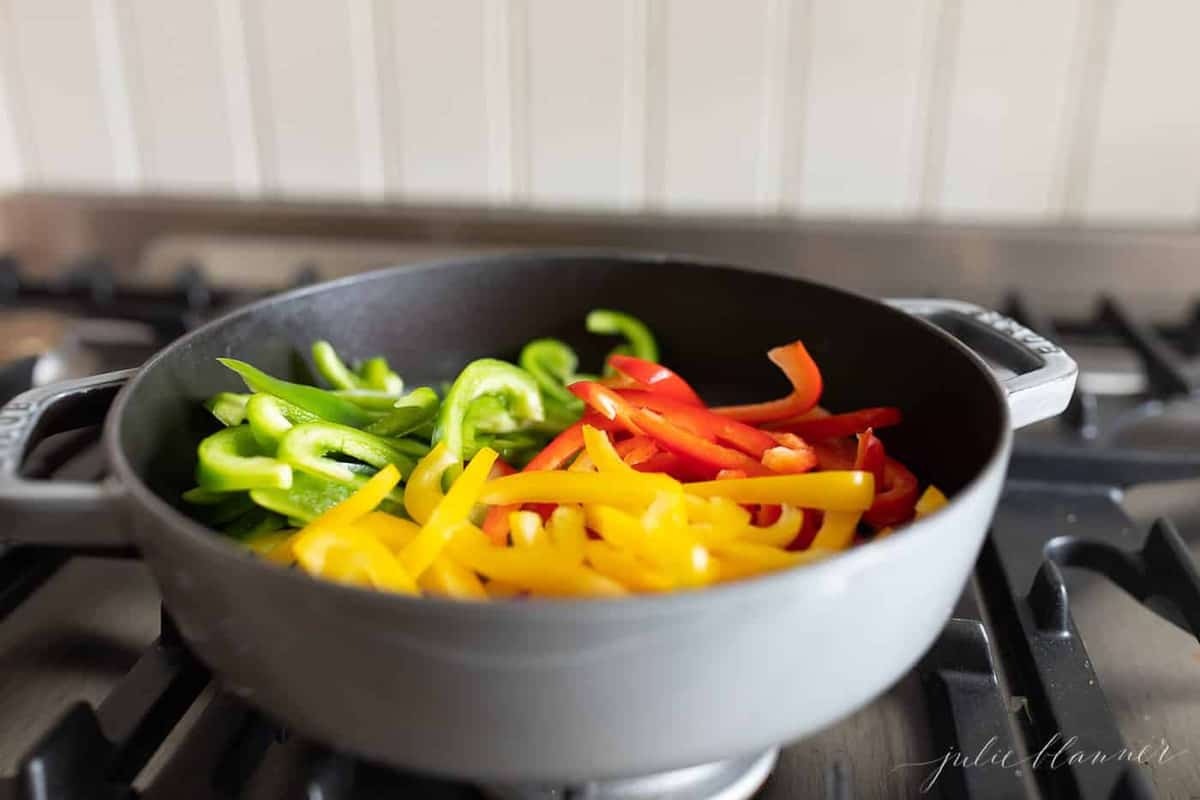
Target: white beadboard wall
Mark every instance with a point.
(1072, 110)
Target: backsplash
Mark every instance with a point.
(1064, 111)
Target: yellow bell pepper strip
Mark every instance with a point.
(566, 532)
(499, 590)
(526, 530)
(640, 341)
(362, 502)
(408, 413)
(264, 542)
(229, 408)
(539, 570)
(779, 533)
(515, 388)
(619, 528)
(447, 578)
(378, 375)
(601, 452)
(307, 447)
(230, 460)
(326, 405)
(307, 498)
(738, 560)
(684, 562)
(931, 500)
(333, 369)
(453, 509)
(424, 489)
(582, 463)
(270, 418)
(393, 531)
(835, 490)
(883, 533)
(570, 487)
(552, 364)
(338, 554)
(837, 530)
(674, 549)
(623, 567)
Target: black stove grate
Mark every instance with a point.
(1058, 514)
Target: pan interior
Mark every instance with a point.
(714, 326)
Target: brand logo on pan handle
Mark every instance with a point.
(15, 420)
(1015, 331)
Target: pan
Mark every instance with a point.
(558, 690)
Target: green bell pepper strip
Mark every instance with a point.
(217, 508)
(331, 367)
(376, 374)
(373, 402)
(326, 405)
(228, 407)
(408, 446)
(310, 497)
(199, 496)
(514, 389)
(255, 521)
(270, 418)
(552, 364)
(230, 460)
(408, 413)
(307, 447)
(307, 499)
(515, 448)
(640, 340)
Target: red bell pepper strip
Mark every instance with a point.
(677, 467)
(802, 371)
(848, 424)
(768, 515)
(834, 453)
(898, 500)
(808, 530)
(791, 455)
(636, 449)
(702, 421)
(870, 456)
(655, 378)
(669, 435)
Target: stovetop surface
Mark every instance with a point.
(87, 662)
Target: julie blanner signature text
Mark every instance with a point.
(1058, 752)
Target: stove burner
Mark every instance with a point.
(734, 779)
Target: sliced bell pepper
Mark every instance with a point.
(424, 489)
(228, 407)
(779, 533)
(447, 578)
(931, 500)
(331, 367)
(527, 530)
(636, 449)
(669, 436)
(326, 405)
(231, 460)
(344, 555)
(408, 413)
(378, 375)
(307, 498)
(566, 532)
(805, 377)
(848, 424)
(512, 386)
(837, 531)
(656, 378)
(552, 364)
(271, 417)
(393, 531)
(254, 522)
(453, 509)
(703, 422)
(832, 491)
(373, 401)
(870, 456)
(542, 571)
(898, 499)
(640, 341)
(362, 502)
(624, 568)
(790, 456)
(737, 560)
(307, 447)
(570, 487)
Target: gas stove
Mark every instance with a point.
(1070, 669)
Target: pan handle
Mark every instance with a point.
(1044, 375)
(58, 513)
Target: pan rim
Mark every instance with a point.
(669, 603)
